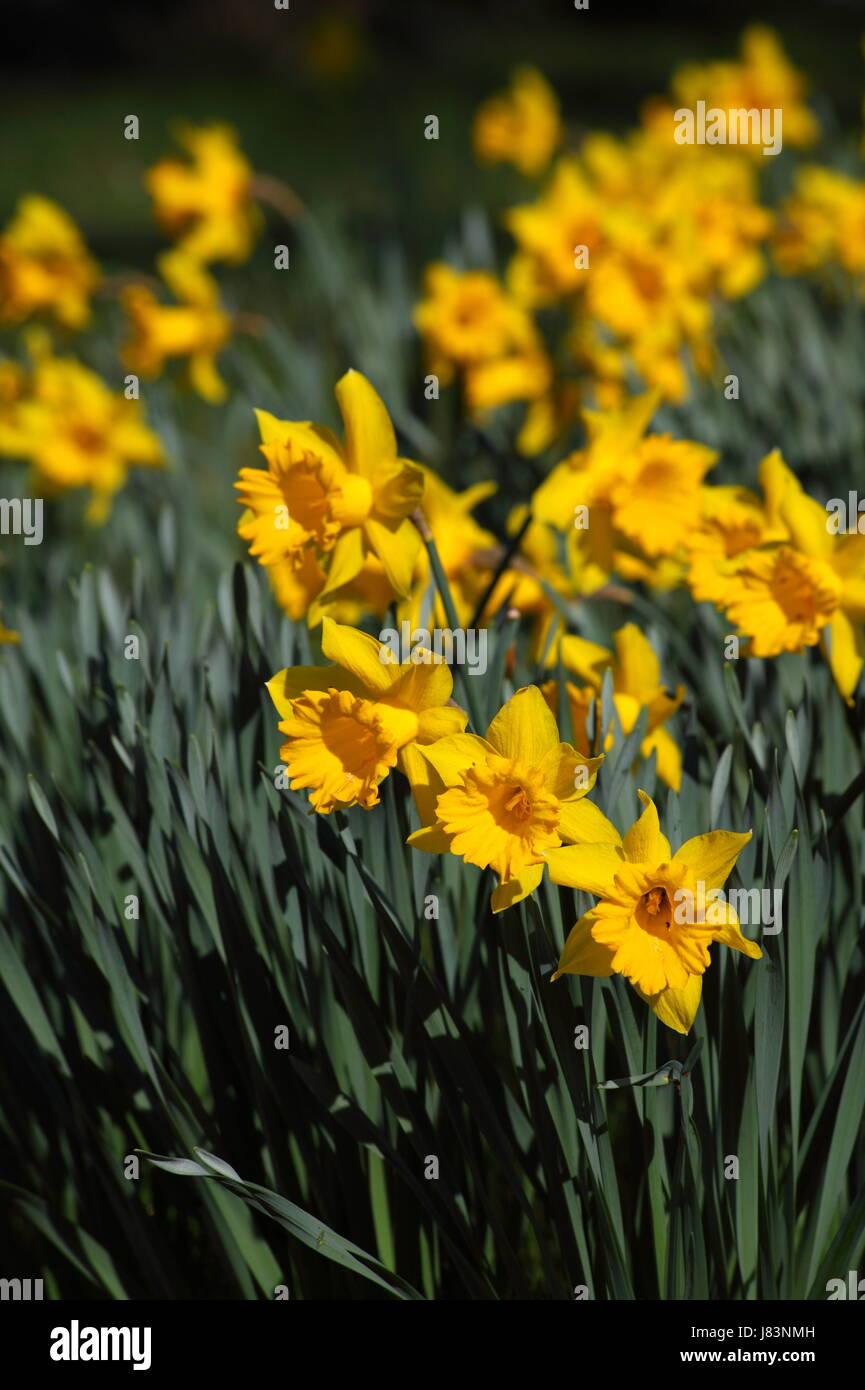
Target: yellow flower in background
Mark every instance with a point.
(8, 636)
(823, 222)
(658, 912)
(75, 431)
(734, 519)
(45, 266)
(521, 126)
(503, 801)
(763, 78)
(347, 725)
(624, 486)
(637, 685)
(558, 236)
(205, 203)
(467, 318)
(808, 589)
(196, 329)
(344, 501)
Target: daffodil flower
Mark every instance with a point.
(345, 501)
(502, 802)
(347, 724)
(658, 912)
(45, 266)
(809, 589)
(637, 685)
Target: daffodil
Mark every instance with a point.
(822, 223)
(503, 801)
(75, 431)
(347, 725)
(45, 266)
(522, 126)
(624, 489)
(205, 203)
(637, 686)
(807, 589)
(467, 320)
(658, 912)
(559, 236)
(762, 79)
(733, 520)
(196, 328)
(343, 501)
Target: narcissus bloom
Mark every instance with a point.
(343, 501)
(808, 589)
(733, 520)
(568, 215)
(637, 685)
(74, 430)
(503, 801)
(640, 490)
(347, 725)
(206, 203)
(196, 328)
(658, 912)
(823, 223)
(522, 126)
(763, 78)
(45, 266)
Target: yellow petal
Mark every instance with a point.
(729, 933)
(843, 644)
(583, 955)
(345, 561)
(591, 868)
(805, 519)
(433, 724)
(452, 756)
(583, 823)
(669, 758)
(644, 843)
(369, 437)
(358, 653)
(272, 431)
(397, 548)
(524, 728)
(677, 1008)
(513, 890)
(710, 858)
(287, 685)
(424, 685)
(638, 671)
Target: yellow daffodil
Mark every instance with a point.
(823, 222)
(624, 488)
(559, 236)
(808, 589)
(196, 328)
(342, 501)
(45, 266)
(520, 127)
(347, 725)
(637, 685)
(75, 431)
(733, 520)
(468, 321)
(658, 912)
(503, 801)
(762, 79)
(206, 203)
